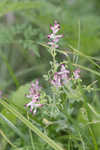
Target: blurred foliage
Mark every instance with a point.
(23, 26)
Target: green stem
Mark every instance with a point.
(31, 126)
(9, 69)
(30, 133)
(89, 119)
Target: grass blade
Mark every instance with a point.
(30, 125)
(87, 69)
(9, 69)
(6, 139)
(12, 126)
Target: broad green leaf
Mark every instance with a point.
(18, 97)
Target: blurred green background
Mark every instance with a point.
(24, 24)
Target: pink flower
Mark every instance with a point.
(33, 106)
(54, 39)
(76, 73)
(34, 94)
(34, 91)
(60, 78)
(64, 72)
(56, 81)
(55, 28)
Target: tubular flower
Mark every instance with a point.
(60, 78)
(34, 91)
(54, 39)
(33, 106)
(56, 81)
(76, 74)
(34, 94)
(64, 73)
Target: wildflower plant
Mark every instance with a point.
(63, 93)
(61, 103)
(53, 37)
(59, 107)
(64, 84)
(34, 95)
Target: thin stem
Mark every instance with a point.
(78, 45)
(83, 144)
(30, 133)
(89, 119)
(93, 110)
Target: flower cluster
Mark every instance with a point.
(60, 78)
(34, 94)
(76, 73)
(54, 39)
(57, 80)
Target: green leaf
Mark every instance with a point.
(18, 97)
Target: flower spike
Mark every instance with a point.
(54, 39)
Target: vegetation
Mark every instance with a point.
(49, 76)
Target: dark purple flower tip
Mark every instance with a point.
(48, 36)
(59, 26)
(63, 65)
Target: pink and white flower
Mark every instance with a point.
(56, 81)
(54, 39)
(33, 106)
(76, 74)
(64, 72)
(34, 95)
(60, 78)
